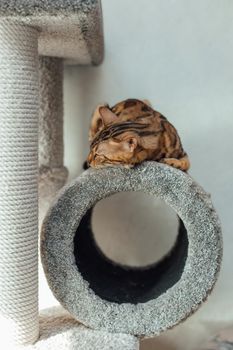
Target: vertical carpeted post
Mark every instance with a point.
(19, 110)
(52, 172)
(51, 112)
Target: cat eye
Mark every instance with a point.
(115, 141)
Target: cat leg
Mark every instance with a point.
(181, 163)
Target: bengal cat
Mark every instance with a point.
(131, 132)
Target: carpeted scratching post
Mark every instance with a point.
(71, 30)
(114, 298)
(52, 172)
(19, 109)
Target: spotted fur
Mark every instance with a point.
(131, 132)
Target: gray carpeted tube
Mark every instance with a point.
(58, 330)
(103, 295)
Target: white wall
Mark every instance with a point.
(179, 55)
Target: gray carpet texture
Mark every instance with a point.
(58, 330)
(69, 29)
(179, 294)
(52, 173)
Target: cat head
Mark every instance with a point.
(116, 137)
(113, 150)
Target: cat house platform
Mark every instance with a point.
(107, 296)
(71, 30)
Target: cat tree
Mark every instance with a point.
(31, 106)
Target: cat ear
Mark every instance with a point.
(129, 144)
(147, 103)
(102, 116)
(107, 115)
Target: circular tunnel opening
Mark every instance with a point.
(125, 280)
(131, 228)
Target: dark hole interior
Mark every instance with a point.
(121, 284)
